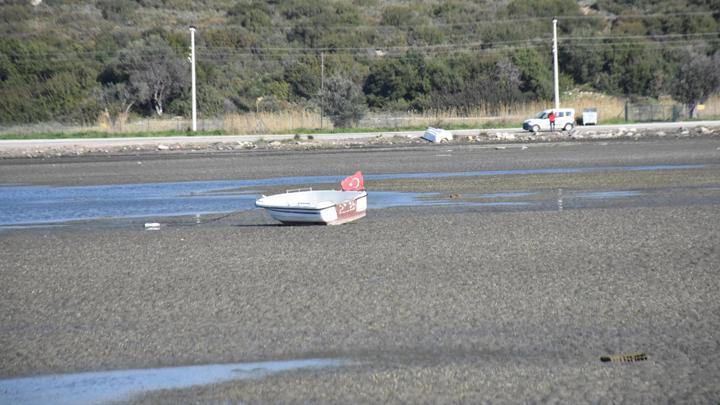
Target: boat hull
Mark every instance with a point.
(325, 207)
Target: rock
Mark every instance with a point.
(437, 135)
(163, 147)
(661, 133)
(274, 143)
(705, 130)
(505, 136)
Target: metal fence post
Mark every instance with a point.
(626, 111)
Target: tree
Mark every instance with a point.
(343, 101)
(37, 85)
(154, 71)
(535, 73)
(402, 83)
(304, 77)
(116, 100)
(506, 82)
(698, 77)
(253, 15)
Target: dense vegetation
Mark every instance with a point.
(72, 60)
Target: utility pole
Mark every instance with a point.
(192, 69)
(555, 65)
(322, 87)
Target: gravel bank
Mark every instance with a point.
(192, 145)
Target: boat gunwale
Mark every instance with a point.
(361, 194)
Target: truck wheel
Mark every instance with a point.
(536, 128)
(568, 127)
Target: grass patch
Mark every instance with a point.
(102, 135)
(449, 126)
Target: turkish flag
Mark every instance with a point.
(353, 183)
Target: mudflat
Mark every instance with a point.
(439, 303)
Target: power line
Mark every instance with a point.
(477, 44)
(222, 53)
(494, 21)
(678, 44)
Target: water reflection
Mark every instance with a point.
(107, 386)
(34, 205)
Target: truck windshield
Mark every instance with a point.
(541, 114)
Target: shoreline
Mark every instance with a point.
(43, 149)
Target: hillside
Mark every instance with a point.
(70, 60)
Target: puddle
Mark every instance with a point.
(28, 206)
(558, 170)
(607, 194)
(107, 386)
(390, 199)
(503, 195)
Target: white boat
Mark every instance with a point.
(307, 206)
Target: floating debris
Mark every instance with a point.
(152, 226)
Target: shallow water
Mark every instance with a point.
(25, 206)
(107, 386)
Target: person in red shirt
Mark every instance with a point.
(551, 117)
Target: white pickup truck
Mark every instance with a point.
(564, 119)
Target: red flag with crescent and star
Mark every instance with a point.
(353, 183)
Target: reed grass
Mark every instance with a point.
(610, 110)
(273, 122)
(303, 121)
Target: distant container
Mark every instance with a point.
(589, 116)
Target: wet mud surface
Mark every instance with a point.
(440, 302)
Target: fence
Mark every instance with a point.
(653, 112)
(609, 109)
(671, 112)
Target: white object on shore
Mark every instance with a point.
(152, 226)
(329, 207)
(437, 135)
